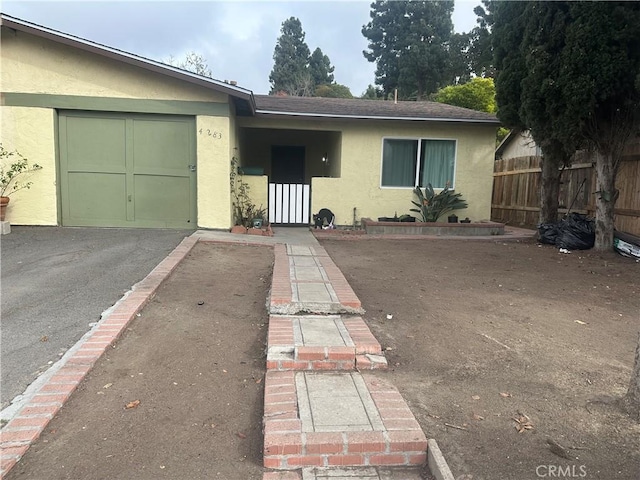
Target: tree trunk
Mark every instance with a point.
(549, 190)
(606, 196)
(632, 400)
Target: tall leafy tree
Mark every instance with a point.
(601, 83)
(320, 68)
(480, 52)
(477, 94)
(569, 71)
(632, 398)
(290, 73)
(460, 62)
(409, 42)
(333, 90)
(372, 93)
(518, 38)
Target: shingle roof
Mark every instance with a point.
(271, 105)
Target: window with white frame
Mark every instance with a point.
(417, 162)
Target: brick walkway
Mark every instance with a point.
(323, 416)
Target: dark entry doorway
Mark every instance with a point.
(287, 164)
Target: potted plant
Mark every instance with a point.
(14, 169)
(432, 206)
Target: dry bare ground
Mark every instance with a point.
(499, 347)
(485, 339)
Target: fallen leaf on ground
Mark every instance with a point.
(580, 322)
(476, 397)
(505, 394)
(258, 380)
(133, 404)
(108, 385)
(522, 423)
(44, 338)
(477, 417)
(241, 435)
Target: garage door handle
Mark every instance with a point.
(129, 197)
(192, 168)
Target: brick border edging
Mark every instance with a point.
(26, 426)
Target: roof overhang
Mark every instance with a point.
(272, 113)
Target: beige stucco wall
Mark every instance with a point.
(258, 189)
(34, 65)
(358, 185)
(214, 140)
(31, 131)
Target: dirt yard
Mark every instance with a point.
(480, 333)
(197, 370)
(477, 334)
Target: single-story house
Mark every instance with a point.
(125, 141)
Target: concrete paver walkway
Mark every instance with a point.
(320, 411)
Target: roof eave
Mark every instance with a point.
(131, 59)
(506, 140)
(262, 112)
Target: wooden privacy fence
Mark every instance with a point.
(516, 190)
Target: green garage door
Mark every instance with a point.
(121, 170)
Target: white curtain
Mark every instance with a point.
(437, 161)
(399, 163)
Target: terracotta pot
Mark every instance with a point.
(4, 201)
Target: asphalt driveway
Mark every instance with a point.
(55, 282)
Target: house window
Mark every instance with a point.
(416, 162)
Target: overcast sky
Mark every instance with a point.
(236, 37)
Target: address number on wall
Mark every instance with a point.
(210, 133)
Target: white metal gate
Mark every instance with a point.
(289, 203)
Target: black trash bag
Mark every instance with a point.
(547, 233)
(576, 232)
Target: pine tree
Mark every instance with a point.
(320, 68)
(290, 72)
(409, 41)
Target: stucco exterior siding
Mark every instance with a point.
(35, 65)
(258, 189)
(360, 161)
(214, 138)
(32, 132)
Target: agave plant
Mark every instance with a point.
(432, 206)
